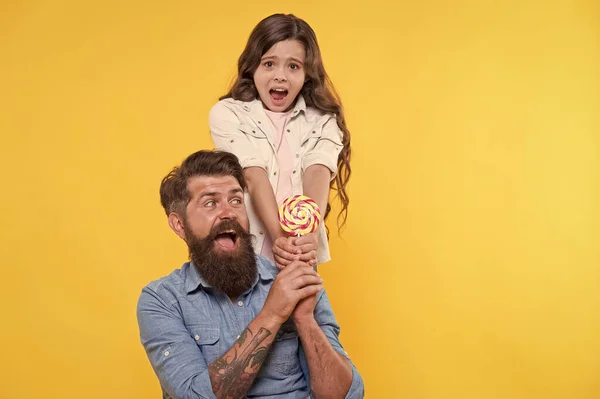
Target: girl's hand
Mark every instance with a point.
(285, 252)
(308, 245)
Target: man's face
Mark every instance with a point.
(215, 199)
(216, 232)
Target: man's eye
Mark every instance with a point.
(209, 203)
(236, 201)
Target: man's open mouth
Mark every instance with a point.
(227, 239)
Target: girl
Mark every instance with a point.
(284, 121)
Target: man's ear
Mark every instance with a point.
(176, 224)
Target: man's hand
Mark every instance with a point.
(296, 282)
(305, 309)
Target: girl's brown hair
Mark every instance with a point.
(318, 91)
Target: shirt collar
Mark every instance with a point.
(193, 278)
(300, 106)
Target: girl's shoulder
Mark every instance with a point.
(231, 103)
(313, 113)
(229, 108)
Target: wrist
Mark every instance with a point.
(306, 320)
(269, 320)
(278, 233)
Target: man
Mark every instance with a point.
(228, 324)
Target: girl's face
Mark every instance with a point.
(280, 75)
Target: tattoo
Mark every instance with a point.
(232, 374)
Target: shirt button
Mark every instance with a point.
(288, 130)
(314, 131)
(254, 131)
(274, 173)
(261, 232)
(196, 337)
(294, 172)
(232, 141)
(258, 121)
(166, 353)
(240, 303)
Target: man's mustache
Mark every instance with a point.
(227, 226)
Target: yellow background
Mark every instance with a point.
(470, 265)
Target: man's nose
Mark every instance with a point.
(227, 212)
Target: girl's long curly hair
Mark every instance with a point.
(318, 91)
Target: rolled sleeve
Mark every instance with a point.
(226, 133)
(326, 320)
(326, 149)
(173, 354)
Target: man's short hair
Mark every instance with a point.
(174, 195)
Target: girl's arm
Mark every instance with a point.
(265, 204)
(316, 185)
(319, 166)
(263, 199)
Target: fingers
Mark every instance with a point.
(285, 250)
(310, 255)
(308, 239)
(309, 290)
(296, 269)
(284, 255)
(307, 280)
(307, 248)
(281, 261)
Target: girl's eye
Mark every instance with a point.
(268, 64)
(294, 66)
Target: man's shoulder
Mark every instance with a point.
(170, 286)
(267, 266)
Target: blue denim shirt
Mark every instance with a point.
(185, 325)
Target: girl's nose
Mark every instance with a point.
(280, 76)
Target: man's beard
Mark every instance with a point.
(229, 272)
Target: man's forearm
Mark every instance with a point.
(324, 363)
(232, 374)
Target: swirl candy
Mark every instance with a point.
(299, 215)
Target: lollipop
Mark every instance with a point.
(299, 215)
